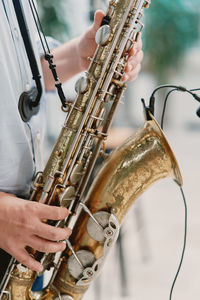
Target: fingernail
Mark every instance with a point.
(69, 230)
(64, 245)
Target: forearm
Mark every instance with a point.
(67, 62)
(71, 57)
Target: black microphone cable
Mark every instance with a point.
(149, 110)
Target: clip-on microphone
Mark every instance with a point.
(29, 101)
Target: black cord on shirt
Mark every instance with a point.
(48, 55)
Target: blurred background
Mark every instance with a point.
(144, 261)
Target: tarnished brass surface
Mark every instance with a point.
(20, 284)
(142, 160)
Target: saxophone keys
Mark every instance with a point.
(140, 15)
(113, 3)
(101, 135)
(141, 24)
(110, 93)
(99, 119)
(67, 196)
(79, 261)
(146, 3)
(76, 173)
(103, 35)
(82, 85)
(138, 36)
(96, 229)
(119, 83)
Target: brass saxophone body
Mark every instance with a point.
(131, 169)
(127, 173)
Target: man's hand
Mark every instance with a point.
(71, 58)
(87, 47)
(21, 225)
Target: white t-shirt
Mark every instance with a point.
(20, 143)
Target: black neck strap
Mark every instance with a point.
(29, 101)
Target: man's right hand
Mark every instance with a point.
(21, 225)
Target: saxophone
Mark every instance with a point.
(142, 160)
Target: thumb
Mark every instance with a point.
(98, 17)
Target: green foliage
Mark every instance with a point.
(171, 27)
(53, 19)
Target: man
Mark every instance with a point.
(20, 142)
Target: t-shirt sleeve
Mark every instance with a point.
(52, 44)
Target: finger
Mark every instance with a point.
(134, 74)
(52, 233)
(52, 212)
(98, 17)
(136, 47)
(46, 246)
(139, 44)
(22, 256)
(134, 61)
